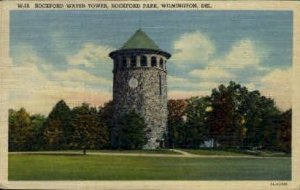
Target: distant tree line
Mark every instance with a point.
(83, 127)
(231, 117)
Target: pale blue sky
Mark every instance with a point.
(56, 42)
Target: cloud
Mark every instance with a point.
(199, 89)
(26, 55)
(176, 80)
(90, 55)
(38, 85)
(187, 86)
(211, 73)
(58, 40)
(251, 86)
(78, 75)
(192, 47)
(242, 63)
(176, 94)
(242, 54)
(198, 49)
(205, 68)
(197, 59)
(278, 76)
(278, 85)
(191, 52)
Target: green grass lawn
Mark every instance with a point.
(99, 167)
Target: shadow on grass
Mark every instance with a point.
(235, 152)
(55, 154)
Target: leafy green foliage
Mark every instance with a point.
(24, 130)
(106, 114)
(226, 119)
(176, 133)
(89, 130)
(131, 132)
(232, 116)
(284, 132)
(37, 123)
(196, 123)
(64, 128)
(58, 128)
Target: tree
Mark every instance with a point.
(284, 132)
(89, 130)
(58, 128)
(253, 120)
(131, 132)
(197, 128)
(270, 123)
(262, 119)
(106, 114)
(25, 131)
(226, 118)
(12, 131)
(38, 123)
(176, 114)
(240, 118)
(20, 130)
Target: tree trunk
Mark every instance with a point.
(84, 151)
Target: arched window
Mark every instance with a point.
(161, 63)
(133, 61)
(124, 62)
(144, 61)
(153, 62)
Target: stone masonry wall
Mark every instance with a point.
(146, 99)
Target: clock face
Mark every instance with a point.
(133, 83)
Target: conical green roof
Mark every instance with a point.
(140, 40)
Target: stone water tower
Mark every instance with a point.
(140, 84)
